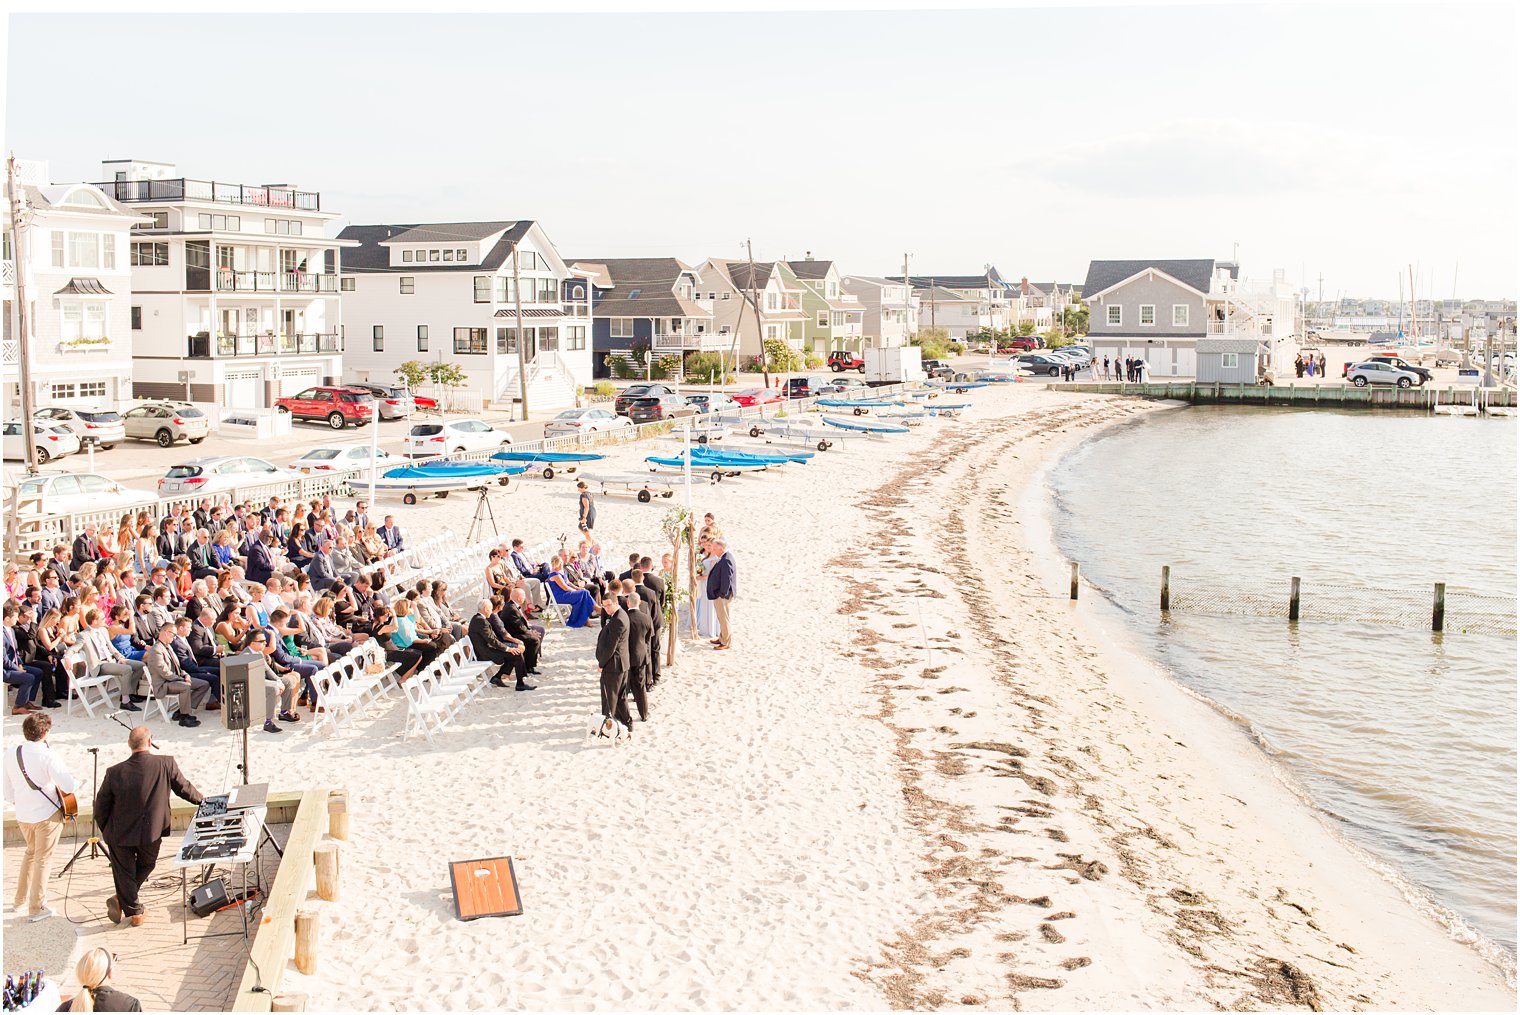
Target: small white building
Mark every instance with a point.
(449, 291)
(78, 282)
(891, 310)
(234, 287)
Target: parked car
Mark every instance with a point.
(453, 436)
(1393, 360)
(757, 396)
(587, 420)
(850, 385)
(842, 359)
(1040, 363)
(931, 365)
(1021, 343)
(62, 493)
(334, 458)
(395, 401)
(51, 441)
(219, 474)
(809, 387)
(340, 407)
(653, 408)
(166, 422)
(712, 401)
(101, 427)
(1378, 372)
(627, 396)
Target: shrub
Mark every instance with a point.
(813, 361)
(934, 343)
(782, 358)
(957, 348)
(605, 389)
(706, 366)
(412, 373)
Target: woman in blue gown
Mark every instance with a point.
(579, 600)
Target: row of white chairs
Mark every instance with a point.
(346, 688)
(414, 561)
(438, 693)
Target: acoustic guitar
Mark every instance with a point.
(68, 803)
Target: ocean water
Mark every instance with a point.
(1404, 738)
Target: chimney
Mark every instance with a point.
(807, 255)
(1024, 286)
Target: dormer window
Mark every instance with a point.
(406, 256)
(633, 294)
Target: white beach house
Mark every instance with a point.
(78, 282)
(450, 291)
(234, 286)
(891, 310)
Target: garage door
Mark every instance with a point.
(293, 382)
(245, 389)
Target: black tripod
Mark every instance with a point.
(93, 843)
(482, 512)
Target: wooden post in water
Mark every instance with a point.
(1073, 581)
(1438, 608)
(1293, 602)
(1166, 587)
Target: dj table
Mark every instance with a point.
(224, 833)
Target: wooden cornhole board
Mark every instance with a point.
(485, 887)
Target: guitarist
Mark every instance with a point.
(41, 788)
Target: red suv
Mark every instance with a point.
(843, 359)
(1022, 343)
(339, 406)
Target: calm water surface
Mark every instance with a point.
(1406, 738)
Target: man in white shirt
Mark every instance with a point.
(38, 811)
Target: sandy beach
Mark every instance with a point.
(922, 778)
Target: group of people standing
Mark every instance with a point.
(1308, 365)
(1130, 368)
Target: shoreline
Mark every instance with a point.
(1103, 613)
(1191, 910)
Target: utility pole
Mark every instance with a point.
(23, 322)
(933, 317)
(908, 327)
(522, 337)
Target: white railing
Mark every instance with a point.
(40, 532)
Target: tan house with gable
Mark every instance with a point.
(777, 295)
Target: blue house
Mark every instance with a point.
(646, 302)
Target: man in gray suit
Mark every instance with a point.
(169, 677)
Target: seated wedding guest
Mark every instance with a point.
(490, 646)
(279, 684)
(232, 629)
(169, 679)
(579, 600)
(406, 659)
(101, 655)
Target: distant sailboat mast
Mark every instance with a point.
(1414, 315)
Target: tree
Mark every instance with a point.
(1026, 328)
(933, 343)
(412, 373)
(780, 358)
(447, 376)
(1074, 319)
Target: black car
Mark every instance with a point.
(808, 387)
(634, 392)
(653, 408)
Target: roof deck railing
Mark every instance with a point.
(183, 189)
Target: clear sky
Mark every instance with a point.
(1348, 141)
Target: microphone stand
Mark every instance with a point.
(93, 842)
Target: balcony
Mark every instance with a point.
(130, 191)
(690, 341)
(8, 277)
(227, 281)
(232, 346)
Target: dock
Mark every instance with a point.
(1309, 396)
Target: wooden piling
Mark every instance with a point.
(1074, 581)
(1293, 602)
(337, 814)
(326, 859)
(1166, 587)
(307, 921)
(288, 1002)
(1438, 608)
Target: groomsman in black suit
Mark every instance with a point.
(612, 657)
(640, 636)
(656, 606)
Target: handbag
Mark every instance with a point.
(68, 803)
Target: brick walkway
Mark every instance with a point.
(151, 963)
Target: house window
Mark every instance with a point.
(63, 391)
(470, 341)
(222, 223)
(137, 318)
(84, 250)
(1115, 315)
(622, 327)
(1179, 315)
(92, 389)
(1147, 315)
(408, 285)
(160, 220)
(108, 251)
(149, 254)
(725, 296)
(406, 256)
(346, 284)
(57, 249)
(379, 340)
(482, 288)
(839, 318)
(506, 289)
(506, 339)
(823, 318)
(548, 290)
(770, 301)
(459, 255)
(448, 255)
(527, 260)
(422, 338)
(770, 331)
(575, 337)
(1229, 360)
(433, 255)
